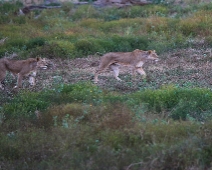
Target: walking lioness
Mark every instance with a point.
(136, 59)
(21, 68)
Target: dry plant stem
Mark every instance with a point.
(2, 41)
(128, 168)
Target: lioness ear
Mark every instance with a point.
(38, 58)
(136, 50)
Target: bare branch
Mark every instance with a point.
(2, 41)
(128, 168)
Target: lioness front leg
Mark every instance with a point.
(2, 77)
(1, 86)
(115, 69)
(96, 76)
(32, 78)
(32, 81)
(19, 81)
(141, 72)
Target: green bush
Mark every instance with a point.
(49, 50)
(185, 104)
(13, 45)
(16, 42)
(208, 41)
(115, 43)
(149, 10)
(4, 19)
(85, 47)
(25, 105)
(67, 47)
(111, 14)
(83, 92)
(9, 7)
(182, 103)
(35, 42)
(166, 43)
(84, 11)
(130, 43)
(8, 11)
(19, 19)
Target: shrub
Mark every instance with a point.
(110, 14)
(208, 41)
(13, 45)
(130, 43)
(35, 42)
(198, 24)
(67, 47)
(85, 47)
(67, 7)
(115, 43)
(168, 44)
(83, 92)
(9, 7)
(182, 103)
(83, 11)
(16, 42)
(50, 50)
(147, 11)
(4, 19)
(25, 105)
(91, 23)
(19, 20)
(118, 26)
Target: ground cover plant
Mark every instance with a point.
(68, 122)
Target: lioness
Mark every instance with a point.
(21, 68)
(136, 59)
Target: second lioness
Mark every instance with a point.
(136, 59)
(21, 68)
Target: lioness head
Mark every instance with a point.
(41, 63)
(146, 55)
(152, 55)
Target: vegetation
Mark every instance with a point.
(84, 126)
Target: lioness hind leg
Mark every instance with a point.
(1, 86)
(115, 69)
(98, 71)
(2, 77)
(141, 72)
(96, 75)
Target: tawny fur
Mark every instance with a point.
(136, 59)
(20, 68)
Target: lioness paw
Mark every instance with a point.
(32, 81)
(1, 87)
(143, 76)
(117, 78)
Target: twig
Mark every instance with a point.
(128, 168)
(2, 41)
